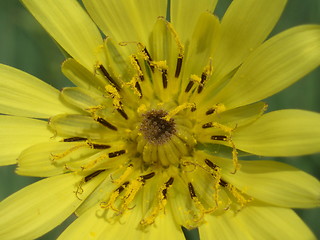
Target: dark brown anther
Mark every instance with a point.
(164, 78)
(210, 164)
(106, 124)
(92, 175)
(223, 183)
(203, 79)
(122, 187)
(108, 76)
(191, 190)
(137, 61)
(178, 67)
(189, 86)
(116, 153)
(138, 87)
(74, 139)
(207, 125)
(167, 185)
(149, 59)
(219, 138)
(99, 146)
(169, 182)
(210, 111)
(122, 113)
(147, 176)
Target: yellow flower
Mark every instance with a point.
(164, 105)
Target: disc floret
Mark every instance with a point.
(155, 129)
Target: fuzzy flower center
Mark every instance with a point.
(155, 128)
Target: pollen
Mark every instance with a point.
(155, 128)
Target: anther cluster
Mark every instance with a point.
(157, 130)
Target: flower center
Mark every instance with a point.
(155, 129)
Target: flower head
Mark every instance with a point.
(162, 110)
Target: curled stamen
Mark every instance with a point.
(54, 157)
(162, 201)
(178, 109)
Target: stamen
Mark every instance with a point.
(177, 39)
(147, 53)
(198, 204)
(107, 75)
(203, 79)
(92, 175)
(74, 139)
(136, 65)
(99, 146)
(147, 56)
(147, 176)
(106, 123)
(207, 125)
(241, 199)
(223, 183)
(179, 65)
(167, 185)
(189, 86)
(219, 138)
(116, 153)
(210, 111)
(54, 157)
(204, 76)
(191, 190)
(114, 94)
(131, 191)
(138, 87)
(218, 108)
(164, 78)
(162, 201)
(122, 113)
(178, 109)
(113, 197)
(124, 176)
(211, 164)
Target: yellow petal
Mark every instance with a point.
(17, 133)
(25, 95)
(273, 66)
(126, 20)
(81, 76)
(203, 43)
(70, 26)
(79, 125)
(184, 15)
(244, 26)
(281, 133)
(39, 161)
(275, 183)
(83, 98)
(36, 209)
(256, 222)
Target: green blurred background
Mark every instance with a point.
(26, 46)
